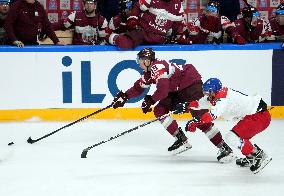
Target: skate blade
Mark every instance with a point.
(264, 163)
(182, 149)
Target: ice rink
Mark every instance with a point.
(136, 164)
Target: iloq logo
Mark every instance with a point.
(86, 85)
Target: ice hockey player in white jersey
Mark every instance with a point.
(250, 112)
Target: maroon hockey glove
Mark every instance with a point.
(132, 24)
(147, 103)
(192, 124)
(119, 100)
(240, 40)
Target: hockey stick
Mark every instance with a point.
(86, 150)
(31, 141)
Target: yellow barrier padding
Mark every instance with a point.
(113, 114)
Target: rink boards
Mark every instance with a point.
(66, 83)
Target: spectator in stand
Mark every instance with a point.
(25, 21)
(4, 8)
(90, 28)
(252, 27)
(277, 23)
(151, 22)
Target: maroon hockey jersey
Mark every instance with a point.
(261, 33)
(168, 77)
(158, 19)
(87, 30)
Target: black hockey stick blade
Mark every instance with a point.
(30, 140)
(84, 153)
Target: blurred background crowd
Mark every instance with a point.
(129, 23)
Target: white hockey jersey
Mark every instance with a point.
(230, 104)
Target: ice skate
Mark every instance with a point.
(245, 162)
(261, 159)
(225, 154)
(181, 144)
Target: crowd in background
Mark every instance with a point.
(129, 23)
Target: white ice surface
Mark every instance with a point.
(136, 164)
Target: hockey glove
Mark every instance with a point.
(147, 103)
(181, 108)
(192, 124)
(119, 100)
(184, 107)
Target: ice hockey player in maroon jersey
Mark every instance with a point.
(277, 23)
(90, 28)
(118, 23)
(174, 84)
(209, 26)
(152, 22)
(251, 115)
(252, 27)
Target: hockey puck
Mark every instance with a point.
(11, 143)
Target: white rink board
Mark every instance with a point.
(33, 80)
